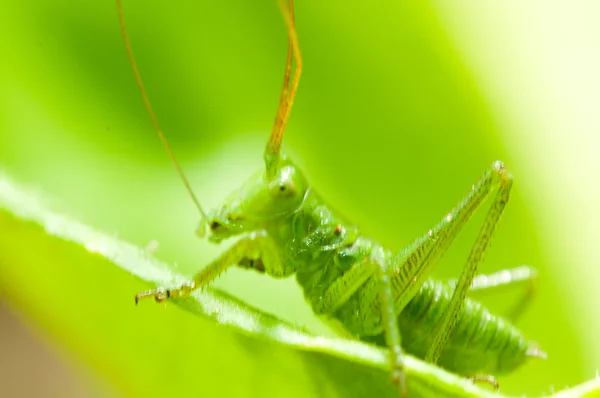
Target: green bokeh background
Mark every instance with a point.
(401, 107)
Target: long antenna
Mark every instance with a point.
(288, 92)
(161, 136)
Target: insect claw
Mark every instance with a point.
(491, 380)
(399, 378)
(159, 295)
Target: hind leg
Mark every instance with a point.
(500, 178)
(523, 277)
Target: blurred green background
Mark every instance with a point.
(400, 109)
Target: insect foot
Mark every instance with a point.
(161, 294)
(491, 380)
(399, 379)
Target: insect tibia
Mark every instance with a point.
(161, 294)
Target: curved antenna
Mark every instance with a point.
(161, 136)
(288, 92)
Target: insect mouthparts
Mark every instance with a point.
(215, 225)
(201, 230)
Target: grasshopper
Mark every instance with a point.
(370, 292)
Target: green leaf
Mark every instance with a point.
(78, 285)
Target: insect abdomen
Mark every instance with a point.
(480, 343)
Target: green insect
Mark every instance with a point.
(367, 291)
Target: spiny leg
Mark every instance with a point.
(254, 247)
(389, 317)
(415, 262)
(499, 282)
(288, 92)
(349, 283)
(523, 277)
(448, 319)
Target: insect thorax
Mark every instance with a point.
(322, 247)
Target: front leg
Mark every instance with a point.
(253, 249)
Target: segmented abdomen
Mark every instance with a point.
(480, 343)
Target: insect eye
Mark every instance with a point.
(286, 188)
